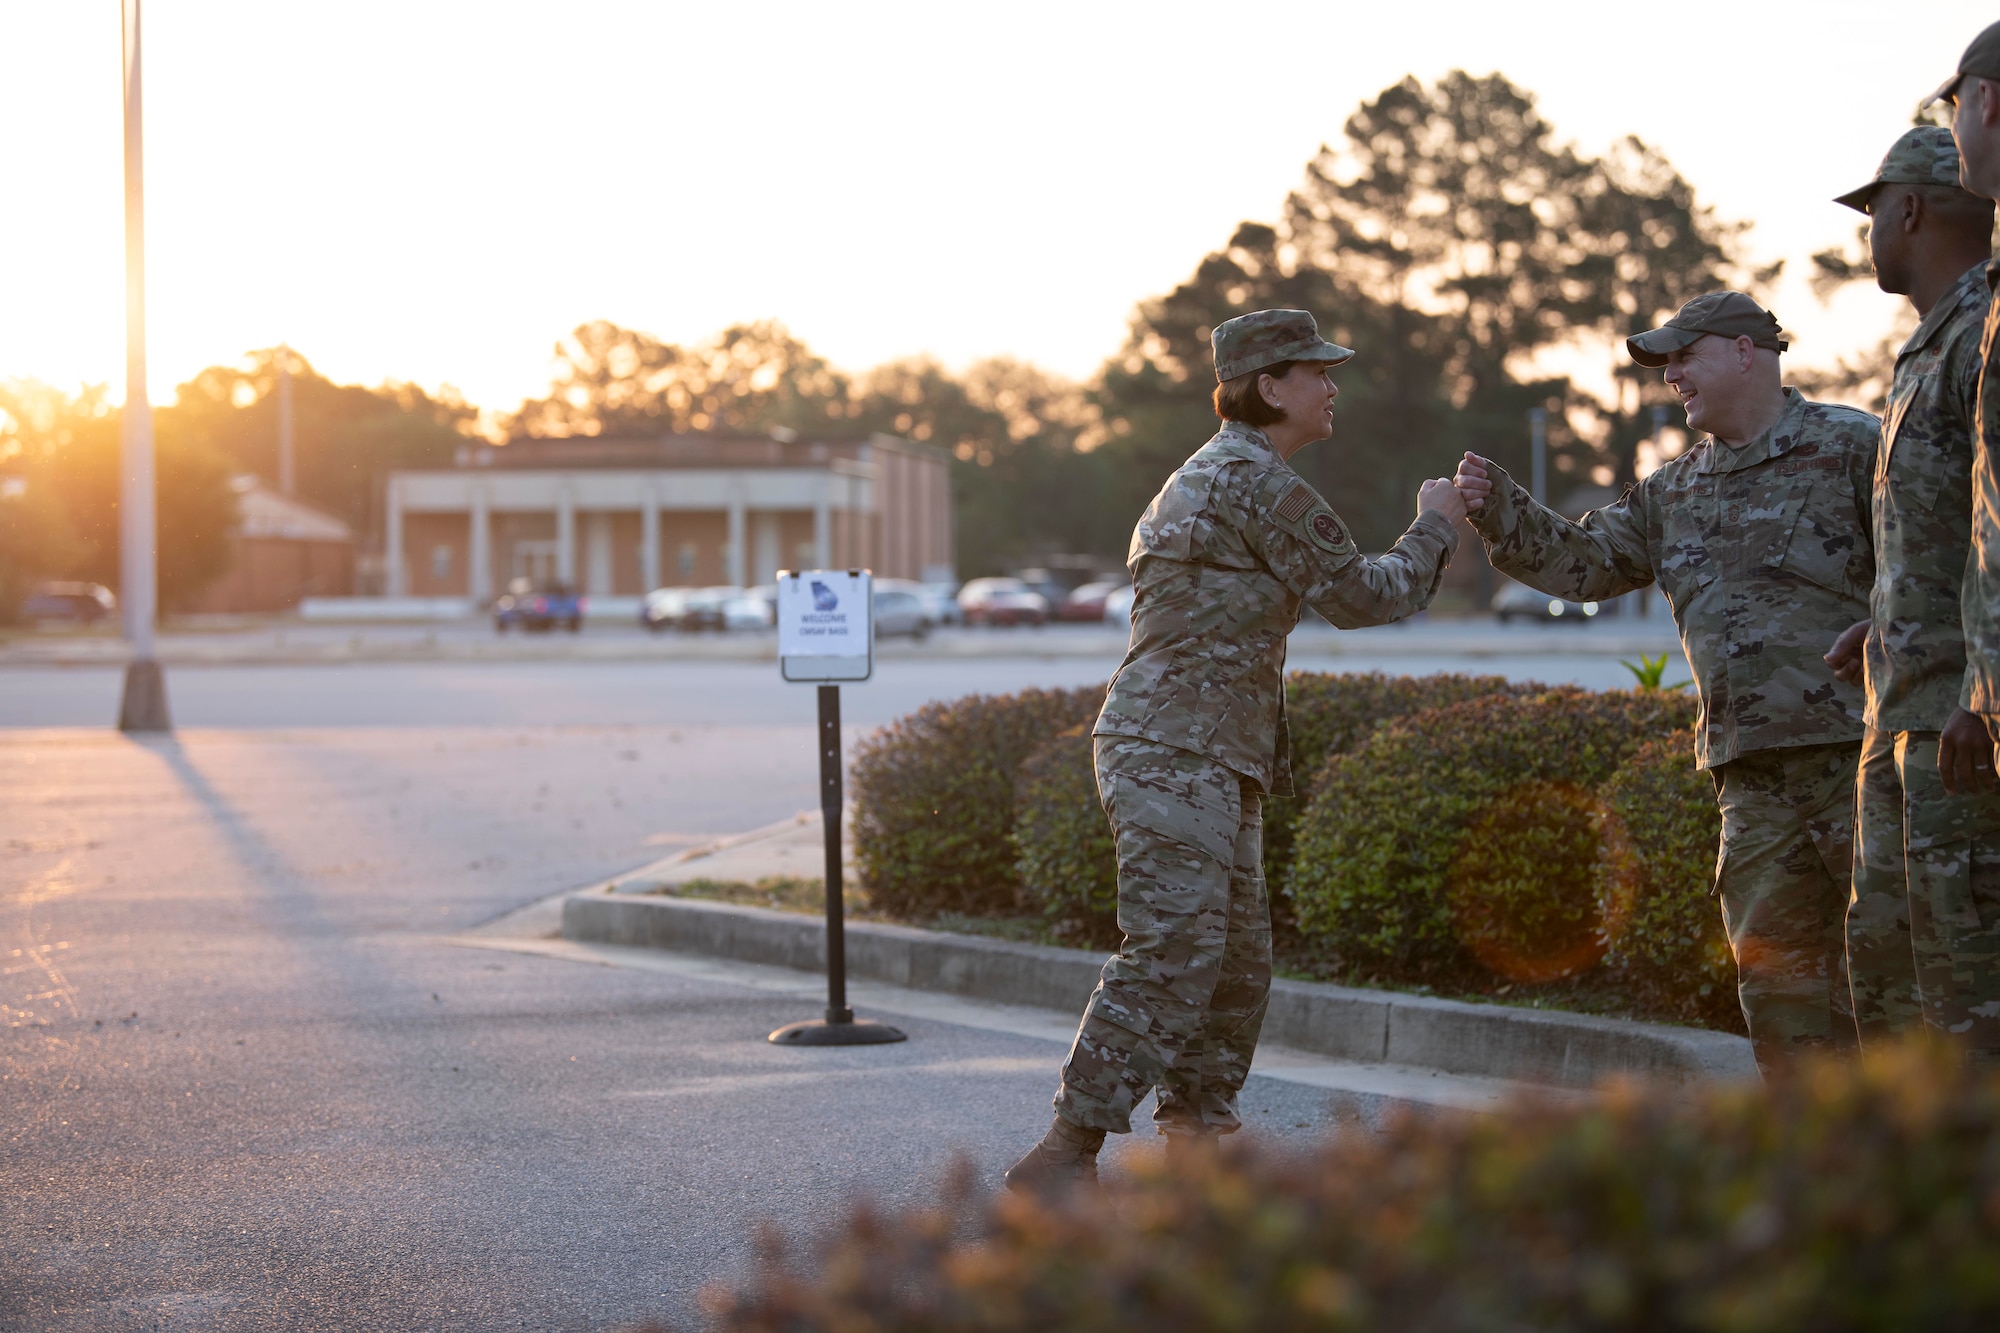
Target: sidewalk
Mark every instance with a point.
(1379, 1044)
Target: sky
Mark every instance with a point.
(436, 192)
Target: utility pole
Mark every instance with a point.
(144, 707)
(287, 474)
(1538, 438)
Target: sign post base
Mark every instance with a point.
(820, 1032)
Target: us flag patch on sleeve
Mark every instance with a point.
(1294, 503)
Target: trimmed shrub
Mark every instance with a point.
(1065, 855)
(1527, 884)
(1331, 713)
(934, 799)
(1385, 832)
(1672, 956)
(1863, 1198)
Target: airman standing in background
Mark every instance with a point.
(1927, 821)
(1972, 1008)
(1758, 536)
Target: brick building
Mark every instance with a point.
(281, 552)
(621, 516)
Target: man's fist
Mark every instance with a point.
(1473, 482)
(1440, 496)
(1965, 754)
(1845, 655)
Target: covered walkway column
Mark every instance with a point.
(566, 537)
(479, 558)
(649, 539)
(822, 527)
(397, 582)
(734, 558)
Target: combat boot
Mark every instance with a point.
(1065, 1158)
(1187, 1151)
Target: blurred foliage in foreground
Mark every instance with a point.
(1857, 1197)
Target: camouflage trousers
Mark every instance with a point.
(1179, 1006)
(1783, 873)
(1923, 926)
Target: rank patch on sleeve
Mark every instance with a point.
(1325, 530)
(1294, 503)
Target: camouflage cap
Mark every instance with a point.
(1266, 337)
(1923, 156)
(1730, 314)
(1981, 60)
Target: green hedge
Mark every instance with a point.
(1330, 714)
(1549, 846)
(1862, 1198)
(934, 800)
(1403, 830)
(1064, 852)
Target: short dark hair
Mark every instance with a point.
(1238, 399)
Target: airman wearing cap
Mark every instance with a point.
(1759, 538)
(1927, 824)
(1974, 93)
(1192, 737)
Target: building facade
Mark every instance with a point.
(622, 516)
(281, 552)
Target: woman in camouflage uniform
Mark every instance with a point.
(1192, 737)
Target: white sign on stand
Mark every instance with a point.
(826, 625)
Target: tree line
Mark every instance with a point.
(1448, 234)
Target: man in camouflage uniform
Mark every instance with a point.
(1927, 824)
(1974, 93)
(1758, 536)
(1192, 736)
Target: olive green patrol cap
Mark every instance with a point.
(1266, 337)
(1728, 314)
(1922, 156)
(1981, 60)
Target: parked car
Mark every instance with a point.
(706, 608)
(898, 611)
(1518, 599)
(1045, 585)
(538, 610)
(689, 610)
(940, 603)
(757, 608)
(1002, 601)
(660, 610)
(1118, 606)
(1087, 602)
(69, 603)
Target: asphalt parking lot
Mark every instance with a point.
(251, 1076)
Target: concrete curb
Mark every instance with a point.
(1387, 1027)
